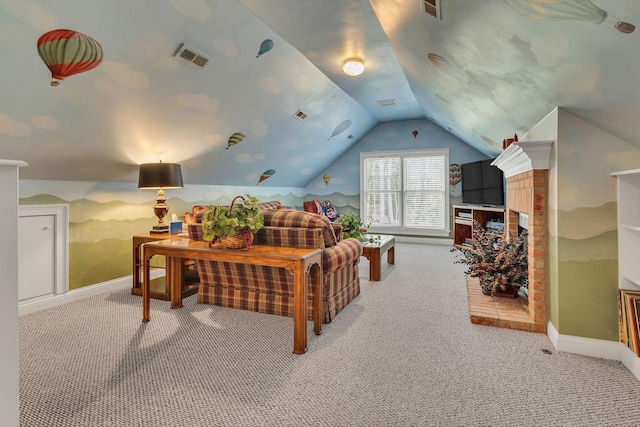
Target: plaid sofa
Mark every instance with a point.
(270, 289)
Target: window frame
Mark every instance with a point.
(402, 154)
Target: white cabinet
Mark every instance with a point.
(36, 256)
(628, 229)
(628, 250)
(42, 253)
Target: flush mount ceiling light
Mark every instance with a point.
(353, 67)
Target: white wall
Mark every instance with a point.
(9, 393)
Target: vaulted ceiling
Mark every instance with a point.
(483, 70)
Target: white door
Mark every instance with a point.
(36, 256)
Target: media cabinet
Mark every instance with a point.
(463, 217)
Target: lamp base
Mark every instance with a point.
(159, 229)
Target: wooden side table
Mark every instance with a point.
(374, 251)
(188, 288)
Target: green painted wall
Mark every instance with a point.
(103, 218)
(585, 215)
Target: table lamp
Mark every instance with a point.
(160, 176)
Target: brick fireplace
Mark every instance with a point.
(525, 165)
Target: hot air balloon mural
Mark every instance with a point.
(265, 47)
(344, 125)
(455, 175)
(438, 61)
(68, 52)
(234, 139)
(326, 178)
(568, 10)
(415, 133)
(266, 175)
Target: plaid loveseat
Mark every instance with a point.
(270, 289)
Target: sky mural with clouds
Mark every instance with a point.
(483, 72)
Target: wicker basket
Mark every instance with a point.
(234, 242)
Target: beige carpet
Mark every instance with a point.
(404, 353)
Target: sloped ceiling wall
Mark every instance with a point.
(484, 71)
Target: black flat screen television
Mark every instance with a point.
(482, 184)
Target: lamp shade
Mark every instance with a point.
(160, 175)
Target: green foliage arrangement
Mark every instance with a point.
(242, 215)
(352, 226)
(502, 267)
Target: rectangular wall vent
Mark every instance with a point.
(300, 115)
(191, 56)
(432, 7)
(387, 102)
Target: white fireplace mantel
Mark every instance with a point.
(523, 156)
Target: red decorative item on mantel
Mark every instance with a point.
(507, 142)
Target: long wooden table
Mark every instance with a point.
(302, 263)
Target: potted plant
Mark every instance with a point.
(234, 226)
(352, 226)
(501, 266)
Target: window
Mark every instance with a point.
(405, 192)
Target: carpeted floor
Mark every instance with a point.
(401, 354)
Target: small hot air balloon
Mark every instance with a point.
(415, 133)
(326, 178)
(68, 52)
(235, 139)
(265, 47)
(455, 175)
(344, 125)
(266, 175)
(438, 61)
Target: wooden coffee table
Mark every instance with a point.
(374, 251)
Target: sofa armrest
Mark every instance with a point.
(347, 251)
(298, 237)
(337, 230)
(195, 231)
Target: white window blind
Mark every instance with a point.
(406, 191)
(383, 191)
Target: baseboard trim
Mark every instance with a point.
(553, 335)
(591, 347)
(630, 360)
(48, 301)
(424, 240)
(585, 346)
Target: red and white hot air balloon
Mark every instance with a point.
(68, 52)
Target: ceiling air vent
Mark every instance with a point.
(301, 115)
(191, 56)
(432, 7)
(387, 102)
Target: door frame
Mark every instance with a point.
(61, 236)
